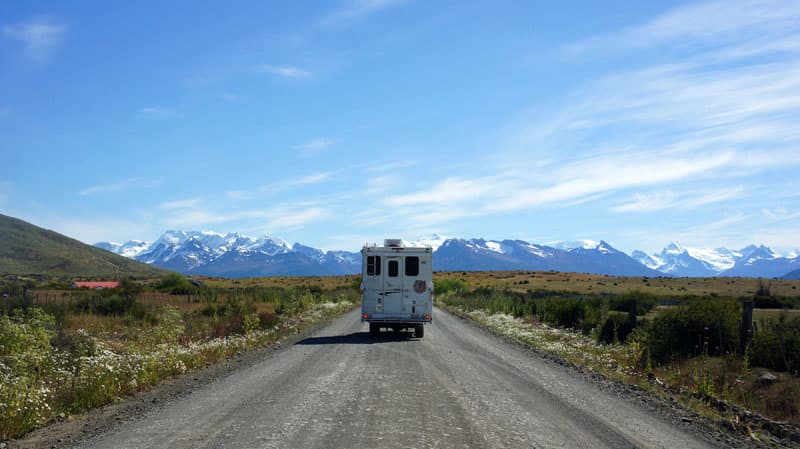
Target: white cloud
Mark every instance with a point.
(180, 204)
(120, 185)
(88, 229)
(451, 190)
(379, 184)
(292, 219)
(155, 113)
(279, 218)
(782, 214)
(279, 186)
(721, 232)
(700, 23)
(390, 166)
(315, 145)
(668, 199)
(353, 11)
(601, 174)
(286, 71)
(41, 38)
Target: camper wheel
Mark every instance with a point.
(419, 331)
(374, 329)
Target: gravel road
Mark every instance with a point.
(458, 387)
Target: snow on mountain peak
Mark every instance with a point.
(568, 245)
(494, 246)
(720, 259)
(673, 248)
(434, 241)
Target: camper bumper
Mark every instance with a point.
(411, 319)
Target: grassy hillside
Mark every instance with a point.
(28, 249)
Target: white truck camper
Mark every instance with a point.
(396, 287)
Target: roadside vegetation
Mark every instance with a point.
(63, 350)
(686, 347)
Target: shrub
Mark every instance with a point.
(176, 284)
(616, 327)
(566, 312)
(776, 345)
(444, 286)
(697, 326)
(635, 303)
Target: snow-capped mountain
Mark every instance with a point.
(750, 261)
(652, 262)
(567, 245)
(760, 261)
(585, 257)
(129, 249)
(236, 255)
(434, 241)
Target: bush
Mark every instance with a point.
(616, 327)
(635, 303)
(566, 312)
(697, 326)
(176, 284)
(776, 345)
(444, 286)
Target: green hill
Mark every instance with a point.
(28, 249)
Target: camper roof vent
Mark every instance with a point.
(392, 243)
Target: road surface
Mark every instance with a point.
(457, 388)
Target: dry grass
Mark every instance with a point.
(603, 284)
(729, 378)
(324, 282)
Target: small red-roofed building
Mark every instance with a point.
(95, 285)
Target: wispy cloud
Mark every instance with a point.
(180, 204)
(279, 186)
(315, 145)
(292, 219)
(700, 23)
(120, 185)
(40, 38)
(724, 230)
(719, 111)
(278, 218)
(780, 214)
(352, 11)
(584, 179)
(669, 199)
(285, 71)
(379, 184)
(155, 113)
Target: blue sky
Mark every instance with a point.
(335, 123)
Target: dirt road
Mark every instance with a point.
(456, 388)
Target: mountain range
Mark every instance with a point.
(750, 261)
(235, 255)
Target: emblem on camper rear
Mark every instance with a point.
(419, 286)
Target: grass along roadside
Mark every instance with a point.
(692, 383)
(48, 367)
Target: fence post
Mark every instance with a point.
(746, 331)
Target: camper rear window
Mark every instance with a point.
(412, 266)
(394, 268)
(373, 265)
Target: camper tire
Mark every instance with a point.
(419, 331)
(374, 330)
